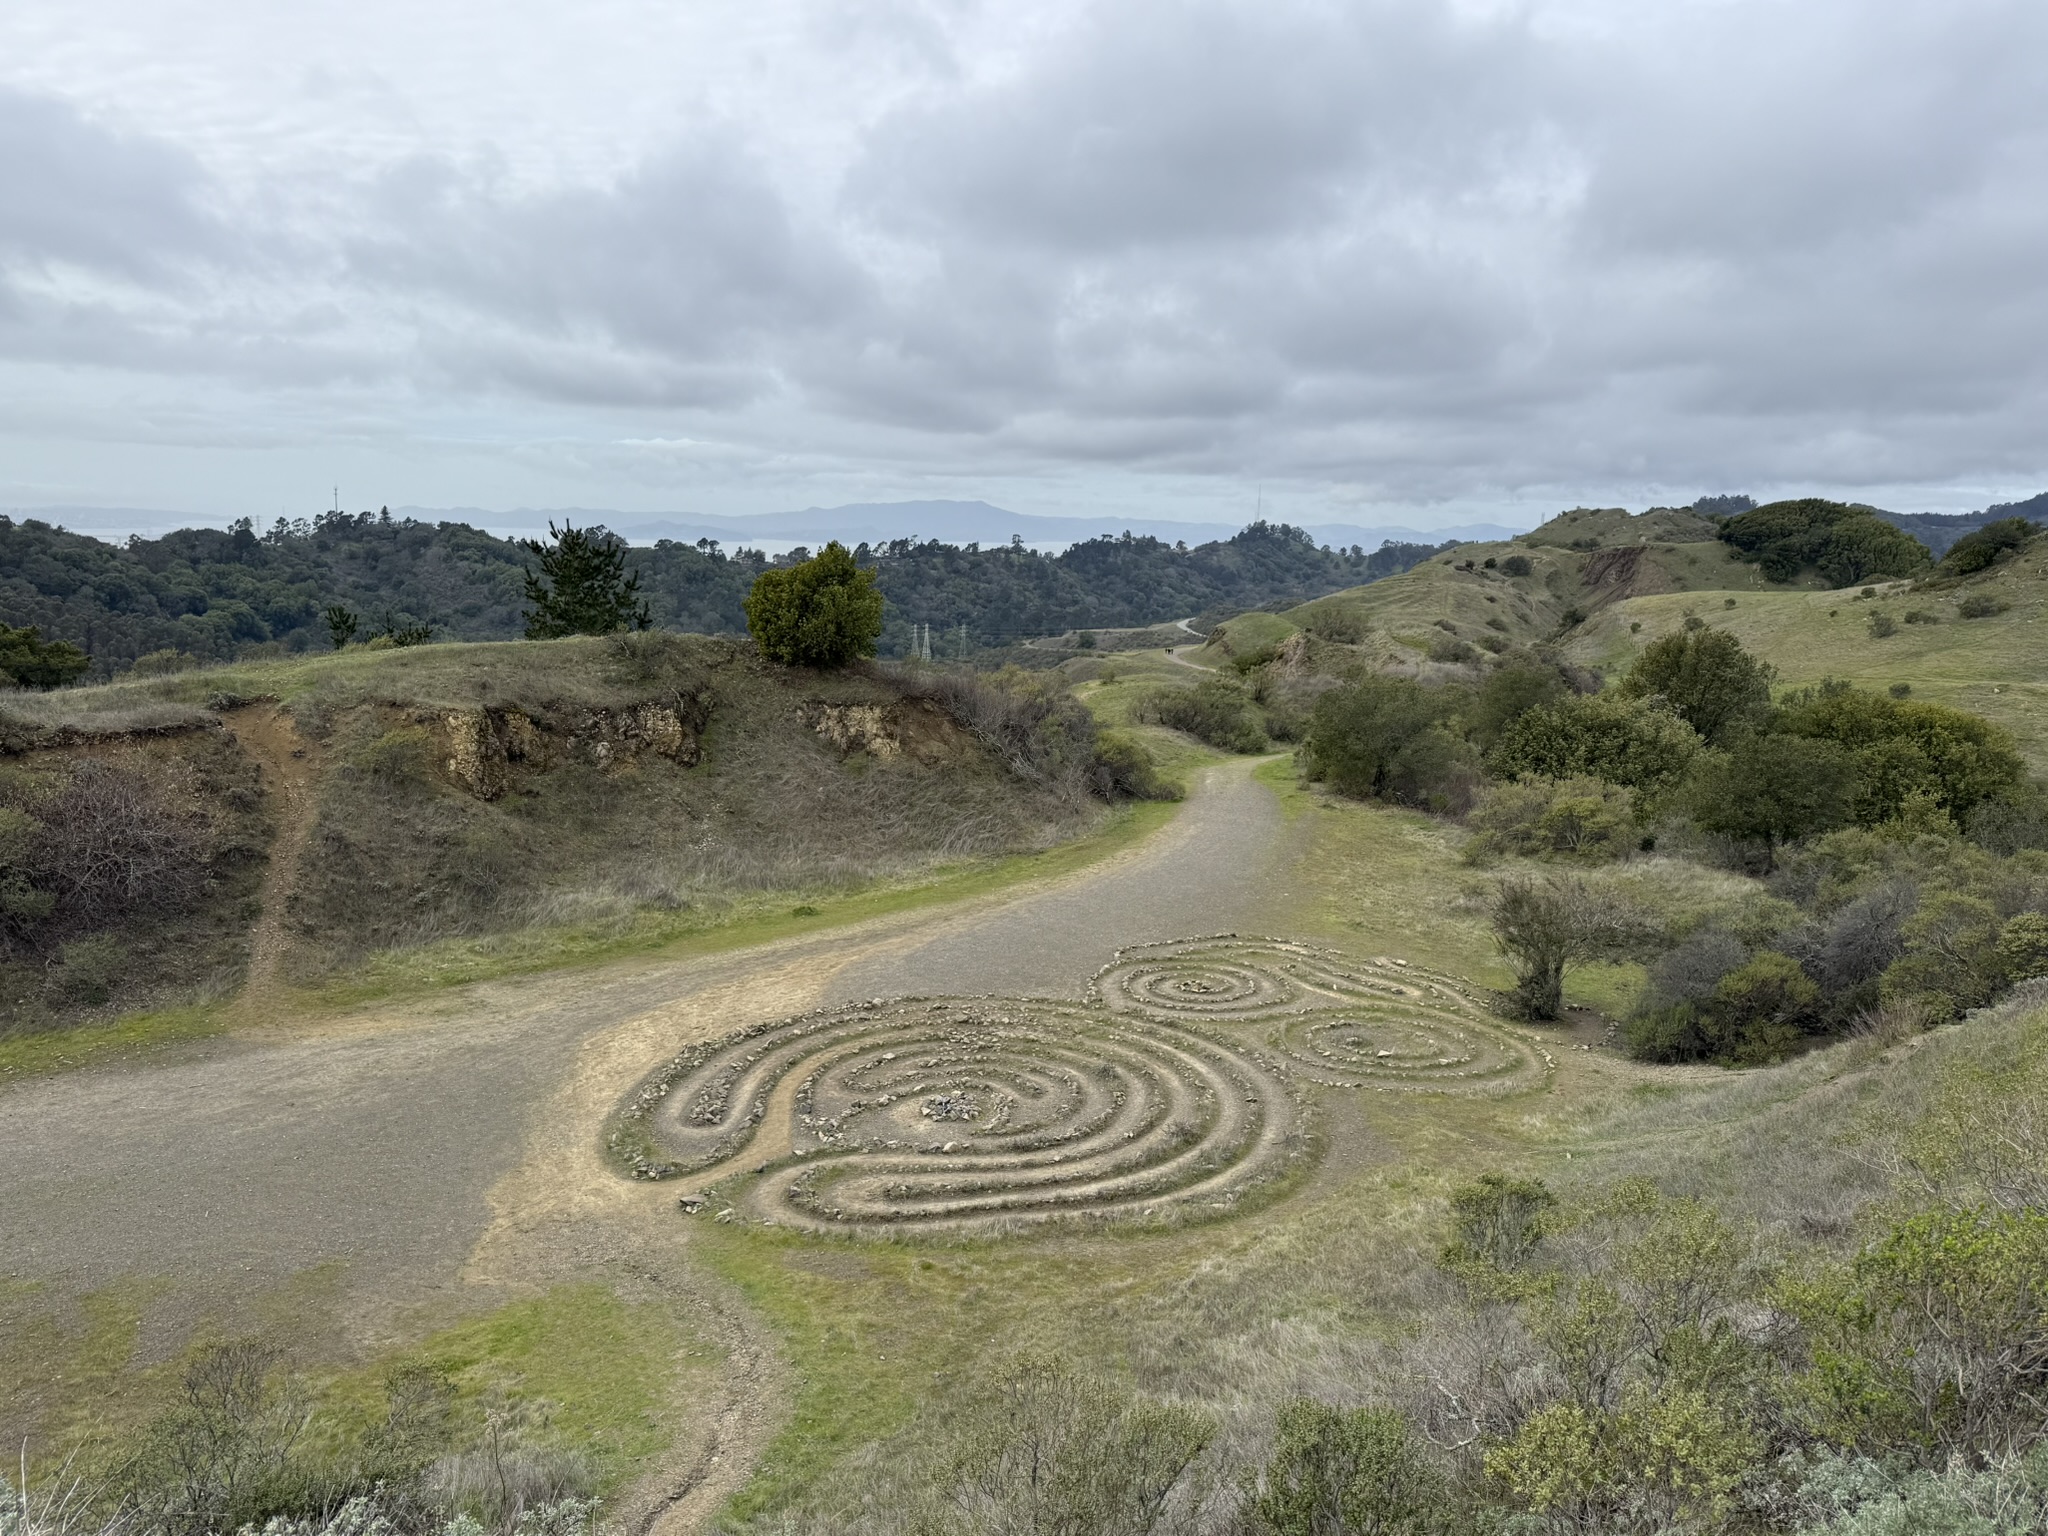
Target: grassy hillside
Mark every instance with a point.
(1994, 665)
(393, 799)
(1455, 606)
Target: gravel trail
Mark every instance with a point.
(437, 1145)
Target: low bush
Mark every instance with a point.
(1981, 605)
(1982, 547)
(1217, 711)
(1580, 818)
(1389, 738)
(1125, 767)
(1631, 742)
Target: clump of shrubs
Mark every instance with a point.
(1981, 605)
(1849, 805)
(1984, 547)
(1218, 711)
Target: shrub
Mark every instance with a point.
(104, 841)
(1930, 1337)
(1498, 1221)
(1882, 626)
(1951, 957)
(1544, 926)
(1449, 648)
(1624, 741)
(1981, 605)
(1124, 767)
(1860, 943)
(1517, 565)
(1756, 1013)
(1508, 693)
(1039, 730)
(1382, 738)
(823, 612)
(1706, 678)
(2023, 947)
(1976, 550)
(1344, 1470)
(1759, 1011)
(1901, 747)
(1580, 818)
(1329, 621)
(1689, 971)
(27, 660)
(1216, 711)
(1054, 1451)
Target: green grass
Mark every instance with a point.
(1994, 667)
(1246, 633)
(598, 1375)
(606, 1368)
(96, 1044)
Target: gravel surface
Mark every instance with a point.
(444, 1150)
(376, 1140)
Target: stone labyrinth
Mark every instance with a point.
(1377, 1024)
(1171, 1092)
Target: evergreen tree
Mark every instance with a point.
(27, 660)
(582, 587)
(821, 613)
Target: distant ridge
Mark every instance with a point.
(1939, 531)
(976, 522)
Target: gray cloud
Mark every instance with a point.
(1403, 250)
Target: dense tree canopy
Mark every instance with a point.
(215, 594)
(1846, 544)
(27, 660)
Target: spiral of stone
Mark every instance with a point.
(973, 1117)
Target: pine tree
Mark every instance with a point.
(582, 587)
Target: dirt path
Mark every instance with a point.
(289, 767)
(445, 1149)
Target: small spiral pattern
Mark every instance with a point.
(1380, 1023)
(970, 1116)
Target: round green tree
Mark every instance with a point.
(822, 612)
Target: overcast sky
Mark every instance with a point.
(1389, 261)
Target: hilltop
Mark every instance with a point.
(174, 838)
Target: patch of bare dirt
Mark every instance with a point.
(289, 766)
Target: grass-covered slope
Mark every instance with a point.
(1995, 664)
(391, 799)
